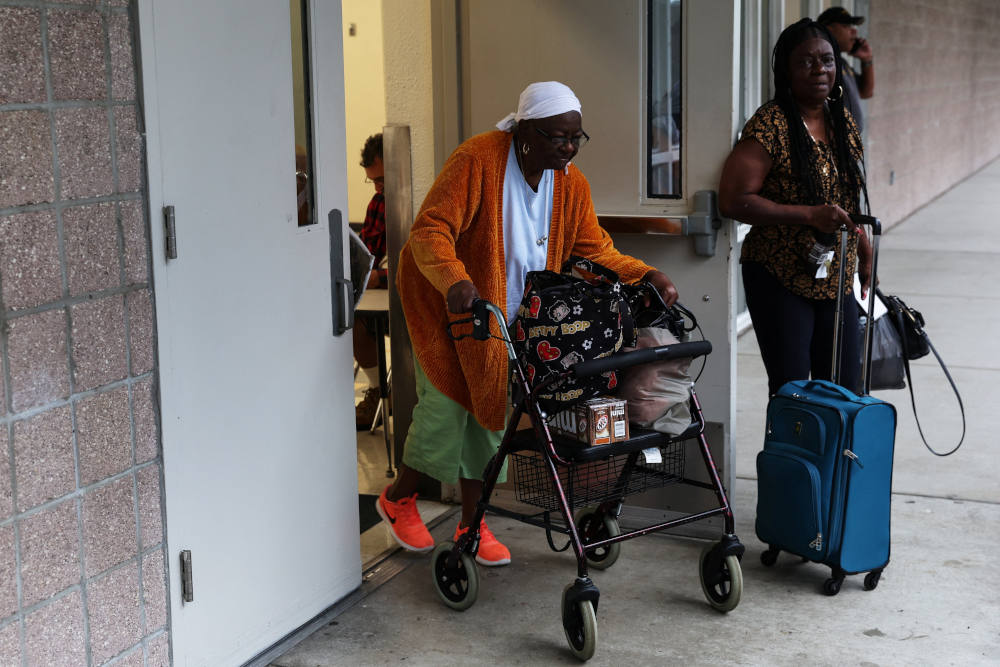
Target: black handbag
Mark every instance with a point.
(650, 311)
(909, 324)
(915, 344)
(564, 318)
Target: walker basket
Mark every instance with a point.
(593, 482)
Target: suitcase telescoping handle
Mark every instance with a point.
(876, 226)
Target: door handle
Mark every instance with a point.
(703, 223)
(341, 288)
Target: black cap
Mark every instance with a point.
(839, 15)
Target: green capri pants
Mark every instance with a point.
(445, 441)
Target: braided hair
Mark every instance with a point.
(803, 157)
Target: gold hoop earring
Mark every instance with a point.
(840, 94)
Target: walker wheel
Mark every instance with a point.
(721, 581)
(457, 585)
(769, 557)
(871, 579)
(593, 526)
(580, 627)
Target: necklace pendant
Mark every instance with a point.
(541, 240)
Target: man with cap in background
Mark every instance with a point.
(857, 85)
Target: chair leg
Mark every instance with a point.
(378, 411)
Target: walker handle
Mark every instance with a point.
(644, 356)
(480, 320)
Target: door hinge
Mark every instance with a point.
(171, 232)
(187, 583)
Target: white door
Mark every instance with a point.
(259, 448)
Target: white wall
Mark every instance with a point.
(409, 83)
(365, 99)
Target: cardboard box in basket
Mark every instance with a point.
(599, 421)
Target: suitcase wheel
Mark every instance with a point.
(832, 585)
(769, 556)
(871, 579)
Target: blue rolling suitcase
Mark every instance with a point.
(824, 477)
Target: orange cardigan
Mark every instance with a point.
(458, 235)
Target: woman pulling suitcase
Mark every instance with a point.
(795, 177)
(824, 476)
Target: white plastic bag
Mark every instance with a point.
(658, 393)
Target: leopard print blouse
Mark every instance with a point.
(781, 248)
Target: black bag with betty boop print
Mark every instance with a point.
(565, 318)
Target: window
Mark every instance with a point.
(305, 192)
(663, 152)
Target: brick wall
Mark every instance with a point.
(82, 571)
(935, 115)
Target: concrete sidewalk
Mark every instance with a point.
(936, 604)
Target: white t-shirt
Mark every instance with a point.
(527, 218)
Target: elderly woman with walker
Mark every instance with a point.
(506, 202)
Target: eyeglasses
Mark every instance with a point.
(578, 141)
(809, 64)
(378, 180)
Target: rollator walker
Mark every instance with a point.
(559, 475)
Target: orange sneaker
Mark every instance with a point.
(404, 522)
(491, 553)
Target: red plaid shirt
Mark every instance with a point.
(373, 234)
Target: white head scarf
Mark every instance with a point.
(541, 100)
